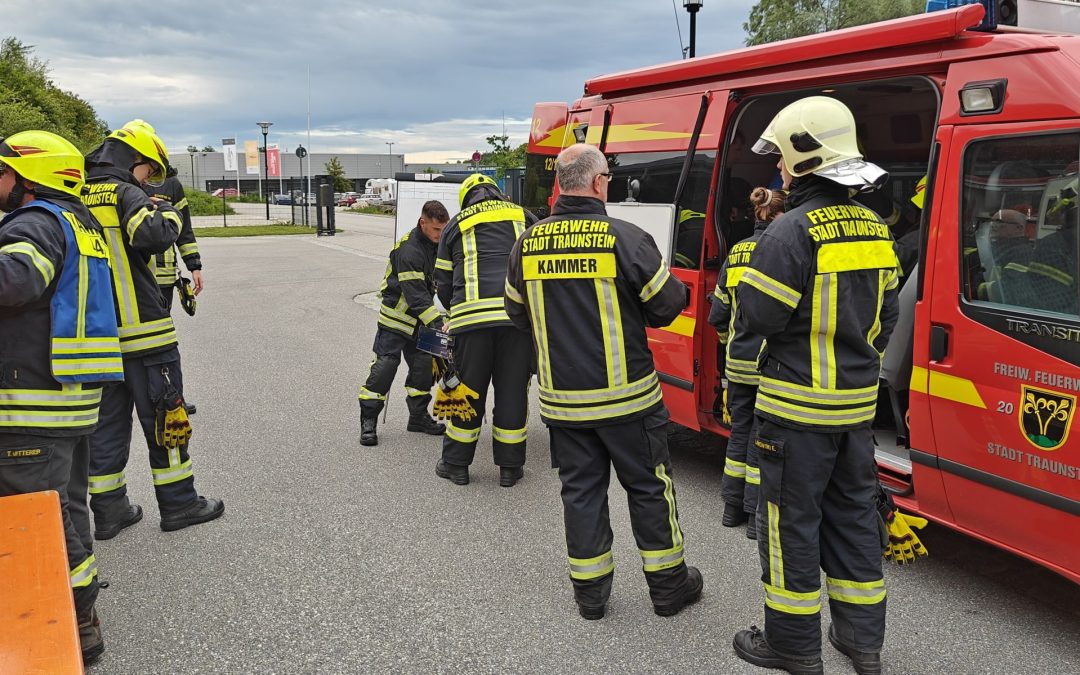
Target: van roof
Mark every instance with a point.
(908, 31)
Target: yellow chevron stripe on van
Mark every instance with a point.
(949, 387)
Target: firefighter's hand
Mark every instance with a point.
(197, 282)
(904, 546)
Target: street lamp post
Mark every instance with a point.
(265, 126)
(693, 6)
(390, 156)
(191, 154)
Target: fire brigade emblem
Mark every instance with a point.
(1045, 417)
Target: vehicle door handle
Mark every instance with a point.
(939, 343)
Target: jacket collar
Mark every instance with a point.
(419, 236)
(810, 187)
(574, 204)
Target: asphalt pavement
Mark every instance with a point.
(337, 558)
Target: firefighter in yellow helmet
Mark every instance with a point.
(136, 228)
(821, 289)
(470, 274)
(58, 328)
(585, 286)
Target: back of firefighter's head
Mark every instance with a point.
(816, 135)
(478, 188)
(582, 171)
(38, 161)
(152, 164)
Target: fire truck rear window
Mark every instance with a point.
(1019, 222)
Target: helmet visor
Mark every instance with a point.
(764, 147)
(856, 173)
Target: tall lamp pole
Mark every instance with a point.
(390, 156)
(693, 6)
(191, 154)
(265, 126)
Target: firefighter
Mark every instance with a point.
(58, 328)
(164, 264)
(739, 486)
(821, 290)
(470, 274)
(586, 286)
(136, 228)
(407, 301)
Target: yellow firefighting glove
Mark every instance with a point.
(172, 427)
(727, 412)
(904, 545)
(187, 296)
(452, 399)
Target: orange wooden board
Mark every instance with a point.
(38, 632)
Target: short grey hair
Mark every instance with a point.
(578, 165)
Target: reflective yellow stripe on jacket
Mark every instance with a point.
(71, 407)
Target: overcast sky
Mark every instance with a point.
(433, 76)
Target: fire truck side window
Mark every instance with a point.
(1019, 223)
(657, 174)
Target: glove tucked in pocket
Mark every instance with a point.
(172, 428)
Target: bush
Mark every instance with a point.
(204, 204)
(249, 198)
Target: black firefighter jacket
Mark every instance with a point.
(136, 229)
(742, 349)
(164, 264)
(821, 289)
(407, 289)
(586, 286)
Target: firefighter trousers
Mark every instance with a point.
(638, 450)
(502, 357)
(739, 486)
(143, 387)
(389, 347)
(817, 512)
(31, 463)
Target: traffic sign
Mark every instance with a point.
(301, 151)
(476, 157)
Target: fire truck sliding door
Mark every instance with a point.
(1003, 376)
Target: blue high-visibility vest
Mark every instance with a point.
(85, 342)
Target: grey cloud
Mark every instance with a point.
(204, 70)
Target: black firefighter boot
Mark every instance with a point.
(368, 424)
(866, 663)
(734, 515)
(108, 526)
(201, 510)
(752, 647)
(419, 419)
(90, 641)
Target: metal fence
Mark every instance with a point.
(284, 201)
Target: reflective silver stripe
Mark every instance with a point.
(509, 435)
(31, 396)
(809, 605)
(413, 393)
(733, 468)
(145, 327)
(867, 593)
(135, 344)
(825, 329)
(780, 408)
(368, 395)
(649, 559)
(44, 265)
(189, 249)
(172, 474)
(443, 264)
(602, 411)
(851, 396)
(99, 484)
(653, 286)
(602, 563)
(462, 435)
(599, 395)
(136, 220)
(513, 293)
(606, 288)
(81, 346)
(539, 327)
(74, 367)
(772, 287)
(753, 475)
(84, 573)
(25, 418)
(123, 285)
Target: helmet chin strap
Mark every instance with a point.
(15, 197)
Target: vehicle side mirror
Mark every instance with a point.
(633, 189)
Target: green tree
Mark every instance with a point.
(335, 170)
(773, 20)
(502, 156)
(30, 100)
(208, 148)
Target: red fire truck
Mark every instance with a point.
(981, 378)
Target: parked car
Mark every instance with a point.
(283, 199)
